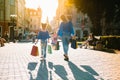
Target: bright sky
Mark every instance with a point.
(48, 7)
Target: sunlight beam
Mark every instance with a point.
(48, 7)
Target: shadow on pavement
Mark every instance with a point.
(109, 51)
(31, 67)
(90, 70)
(76, 71)
(80, 74)
(50, 65)
(61, 72)
(42, 71)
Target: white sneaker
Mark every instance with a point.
(42, 59)
(41, 56)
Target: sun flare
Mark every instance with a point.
(48, 7)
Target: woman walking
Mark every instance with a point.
(65, 32)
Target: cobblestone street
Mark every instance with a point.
(16, 63)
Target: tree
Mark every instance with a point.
(99, 9)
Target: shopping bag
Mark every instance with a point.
(49, 49)
(34, 51)
(73, 44)
(57, 46)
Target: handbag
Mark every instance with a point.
(57, 46)
(34, 51)
(73, 44)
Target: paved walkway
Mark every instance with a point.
(16, 63)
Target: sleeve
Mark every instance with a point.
(38, 36)
(59, 33)
(72, 29)
(48, 36)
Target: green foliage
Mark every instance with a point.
(97, 9)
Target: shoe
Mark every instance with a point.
(66, 59)
(42, 59)
(65, 56)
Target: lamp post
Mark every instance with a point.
(13, 24)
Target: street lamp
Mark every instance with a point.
(13, 23)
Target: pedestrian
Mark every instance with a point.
(34, 38)
(91, 40)
(20, 36)
(43, 36)
(54, 40)
(65, 32)
(2, 41)
(5, 36)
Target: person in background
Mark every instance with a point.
(5, 36)
(2, 41)
(65, 32)
(91, 40)
(34, 38)
(54, 40)
(44, 36)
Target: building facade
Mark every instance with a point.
(33, 19)
(11, 17)
(81, 22)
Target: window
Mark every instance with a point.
(34, 26)
(0, 31)
(12, 2)
(34, 13)
(1, 1)
(30, 13)
(30, 26)
(1, 15)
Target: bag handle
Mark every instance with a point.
(36, 41)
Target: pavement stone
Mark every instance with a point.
(16, 63)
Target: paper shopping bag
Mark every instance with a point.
(34, 51)
(49, 49)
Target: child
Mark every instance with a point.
(44, 36)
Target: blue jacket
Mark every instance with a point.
(43, 35)
(66, 28)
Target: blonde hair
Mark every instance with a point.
(44, 25)
(63, 18)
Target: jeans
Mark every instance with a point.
(65, 42)
(43, 48)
